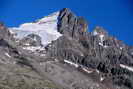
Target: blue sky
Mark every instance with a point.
(114, 15)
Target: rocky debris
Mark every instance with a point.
(31, 40)
(16, 68)
(32, 43)
(76, 60)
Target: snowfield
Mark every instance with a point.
(46, 28)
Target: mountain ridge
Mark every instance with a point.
(101, 61)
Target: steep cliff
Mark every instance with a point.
(58, 52)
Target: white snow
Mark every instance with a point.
(101, 44)
(71, 63)
(87, 70)
(46, 28)
(95, 33)
(121, 48)
(101, 37)
(52, 17)
(101, 79)
(126, 67)
(26, 44)
(105, 46)
(35, 39)
(11, 32)
(97, 71)
(7, 54)
(33, 49)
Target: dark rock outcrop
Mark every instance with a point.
(70, 24)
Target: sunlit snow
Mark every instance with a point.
(95, 33)
(101, 37)
(87, 70)
(126, 67)
(32, 48)
(7, 55)
(46, 28)
(71, 63)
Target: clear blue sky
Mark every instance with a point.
(114, 15)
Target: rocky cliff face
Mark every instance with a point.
(76, 59)
(96, 50)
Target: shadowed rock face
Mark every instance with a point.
(70, 24)
(76, 60)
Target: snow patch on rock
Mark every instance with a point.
(7, 54)
(102, 78)
(87, 70)
(95, 33)
(126, 67)
(33, 49)
(71, 63)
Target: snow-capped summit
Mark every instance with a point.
(46, 28)
(78, 59)
(50, 18)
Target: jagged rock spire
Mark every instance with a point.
(70, 24)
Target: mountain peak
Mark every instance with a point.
(46, 28)
(59, 47)
(70, 24)
(66, 10)
(49, 18)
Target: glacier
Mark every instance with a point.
(46, 28)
